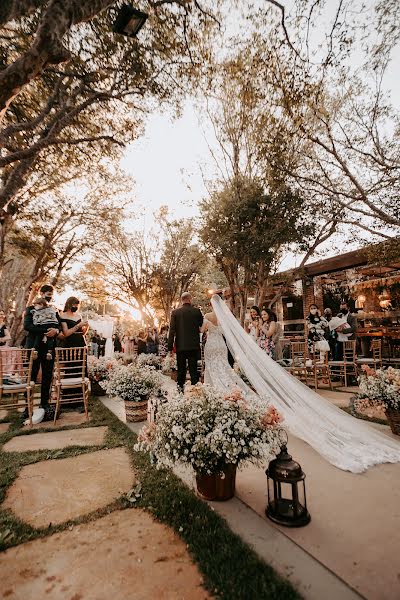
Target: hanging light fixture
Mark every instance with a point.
(129, 21)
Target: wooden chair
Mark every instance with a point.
(299, 360)
(15, 379)
(348, 366)
(320, 367)
(69, 380)
(375, 360)
(200, 364)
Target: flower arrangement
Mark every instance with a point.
(149, 360)
(380, 388)
(99, 369)
(210, 431)
(169, 363)
(132, 383)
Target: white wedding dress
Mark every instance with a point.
(346, 442)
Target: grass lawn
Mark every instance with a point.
(230, 568)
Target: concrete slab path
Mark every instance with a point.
(92, 436)
(125, 555)
(55, 491)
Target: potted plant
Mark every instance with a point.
(134, 385)
(381, 388)
(214, 434)
(99, 370)
(149, 360)
(169, 366)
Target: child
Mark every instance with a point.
(46, 316)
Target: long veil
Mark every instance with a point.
(346, 442)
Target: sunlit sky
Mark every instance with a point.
(167, 162)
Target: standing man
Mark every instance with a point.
(185, 332)
(45, 358)
(95, 344)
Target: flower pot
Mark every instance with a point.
(135, 411)
(393, 417)
(96, 388)
(216, 487)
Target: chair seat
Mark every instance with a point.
(16, 387)
(73, 382)
(367, 361)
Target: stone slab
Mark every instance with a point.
(55, 491)
(3, 413)
(92, 436)
(125, 555)
(4, 427)
(66, 419)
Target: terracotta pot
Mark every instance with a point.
(135, 411)
(393, 417)
(216, 487)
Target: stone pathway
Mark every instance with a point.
(4, 427)
(92, 436)
(121, 556)
(54, 491)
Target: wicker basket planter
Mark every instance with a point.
(135, 411)
(216, 487)
(393, 417)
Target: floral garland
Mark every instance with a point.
(208, 431)
(99, 369)
(149, 360)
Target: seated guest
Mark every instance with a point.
(4, 334)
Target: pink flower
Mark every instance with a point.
(271, 417)
(147, 433)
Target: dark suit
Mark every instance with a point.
(185, 332)
(41, 361)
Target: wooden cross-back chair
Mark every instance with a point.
(70, 380)
(15, 379)
(299, 358)
(320, 368)
(348, 366)
(375, 360)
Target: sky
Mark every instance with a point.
(167, 162)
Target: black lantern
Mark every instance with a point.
(129, 21)
(287, 504)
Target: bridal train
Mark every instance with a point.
(347, 443)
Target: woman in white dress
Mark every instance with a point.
(346, 442)
(252, 326)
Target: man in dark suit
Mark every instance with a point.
(185, 332)
(42, 360)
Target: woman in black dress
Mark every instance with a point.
(73, 327)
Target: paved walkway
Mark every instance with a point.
(351, 547)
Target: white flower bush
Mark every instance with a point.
(133, 383)
(379, 388)
(209, 431)
(99, 369)
(149, 360)
(169, 363)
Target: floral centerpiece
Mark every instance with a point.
(134, 385)
(99, 369)
(214, 434)
(381, 388)
(149, 360)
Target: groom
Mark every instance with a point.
(185, 332)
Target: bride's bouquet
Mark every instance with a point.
(210, 431)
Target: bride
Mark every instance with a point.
(346, 442)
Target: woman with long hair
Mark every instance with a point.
(267, 331)
(252, 325)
